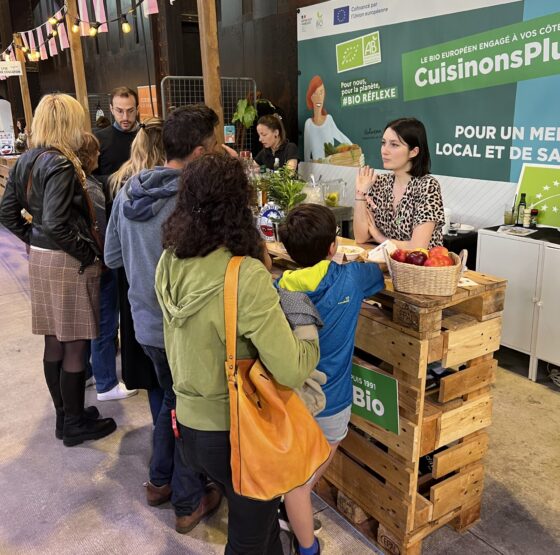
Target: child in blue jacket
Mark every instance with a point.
(337, 291)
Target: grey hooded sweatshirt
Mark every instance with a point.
(133, 240)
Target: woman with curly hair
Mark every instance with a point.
(48, 181)
(213, 199)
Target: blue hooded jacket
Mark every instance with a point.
(133, 240)
(338, 298)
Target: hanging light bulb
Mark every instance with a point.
(76, 26)
(125, 25)
(53, 20)
(25, 49)
(94, 28)
(54, 32)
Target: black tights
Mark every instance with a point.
(71, 353)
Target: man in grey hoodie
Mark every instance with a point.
(133, 240)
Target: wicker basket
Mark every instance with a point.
(426, 280)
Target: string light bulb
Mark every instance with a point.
(125, 25)
(53, 20)
(25, 49)
(54, 32)
(94, 28)
(76, 26)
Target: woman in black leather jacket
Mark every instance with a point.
(48, 182)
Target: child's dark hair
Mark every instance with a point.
(308, 233)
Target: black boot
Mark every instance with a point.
(52, 377)
(78, 428)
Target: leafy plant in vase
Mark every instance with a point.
(285, 189)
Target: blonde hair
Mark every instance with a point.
(145, 153)
(59, 122)
(88, 151)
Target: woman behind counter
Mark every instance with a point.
(272, 136)
(404, 205)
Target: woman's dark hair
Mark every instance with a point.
(212, 211)
(274, 122)
(413, 133)
(308, 233)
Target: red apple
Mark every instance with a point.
(439, 260)
(399, 255)
(416, 257)
(438, 251)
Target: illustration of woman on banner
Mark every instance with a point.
(320, 130)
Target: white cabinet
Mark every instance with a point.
(531, 321)
(548, 337)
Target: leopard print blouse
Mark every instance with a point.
(420, 203)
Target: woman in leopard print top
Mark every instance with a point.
(404, 205)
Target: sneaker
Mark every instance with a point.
(118, 392)
(90, 381)
(295, 546)
(285, 522)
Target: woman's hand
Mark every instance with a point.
(364, 180)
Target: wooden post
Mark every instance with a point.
(24, 85)
(208, 27)
(77, 60)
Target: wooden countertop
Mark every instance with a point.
(483, 282)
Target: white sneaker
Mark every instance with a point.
(90, 381)
(118, 392)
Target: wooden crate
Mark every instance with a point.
(379, 470)
(6, 164)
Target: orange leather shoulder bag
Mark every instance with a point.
(276, 445)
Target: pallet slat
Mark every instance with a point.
(467, 381)
(471, 417)
(456, 491)
(460, 455)
(470, 342)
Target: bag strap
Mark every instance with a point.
(230, 310)
(94, 229)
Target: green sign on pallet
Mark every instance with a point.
(375, 397)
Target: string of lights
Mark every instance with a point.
(34, 54)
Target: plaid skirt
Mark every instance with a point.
(64, 302)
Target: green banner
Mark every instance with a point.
(504, 55)
(375, 397)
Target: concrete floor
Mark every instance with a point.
(90, 499)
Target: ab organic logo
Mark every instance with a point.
(358, 52)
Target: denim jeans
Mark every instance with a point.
(167, 464)
(103, 349)
(253, 527)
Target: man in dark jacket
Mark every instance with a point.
(115, 141)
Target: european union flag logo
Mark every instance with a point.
(341, 15)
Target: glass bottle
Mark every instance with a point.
(521, 207)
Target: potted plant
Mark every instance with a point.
(244, 116)
(284, 188)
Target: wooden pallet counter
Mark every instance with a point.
(380, 471)
(375, 477)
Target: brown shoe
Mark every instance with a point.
(208, 505)
(156, 495)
